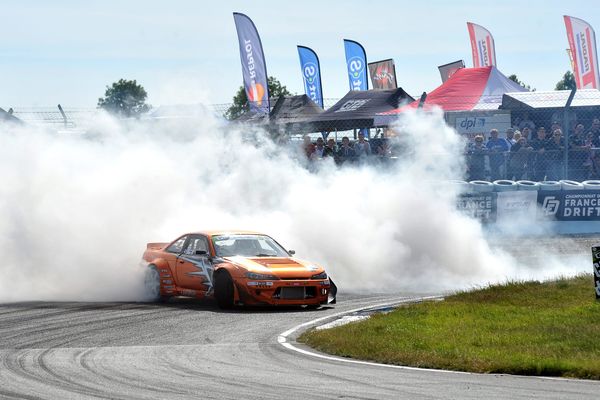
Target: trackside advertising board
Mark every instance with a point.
(523, 206)
(311, 74)
(582, 43)
(254, 68)
(570, 205)
(482, 46)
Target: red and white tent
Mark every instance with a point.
(467, 90)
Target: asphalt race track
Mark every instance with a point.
(191, 349)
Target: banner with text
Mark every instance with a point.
(582, 42)
(356, 64)
(254, 68)
(481, 206)
(383, 74)
(482, 46)
(311, 73)
(570, 205)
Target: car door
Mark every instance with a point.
(194, 269)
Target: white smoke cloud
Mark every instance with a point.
(78, 210)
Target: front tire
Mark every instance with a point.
(152, 285)
(224, 290)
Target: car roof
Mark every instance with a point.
(225, 232)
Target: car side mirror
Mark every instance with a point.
(292, 252)
(201, 252)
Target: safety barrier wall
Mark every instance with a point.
(508, 201)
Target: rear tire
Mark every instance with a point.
(224, 290)
(152, 285)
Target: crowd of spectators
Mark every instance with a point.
(347, 151)
(531, 152)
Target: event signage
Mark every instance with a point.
(570, 205)
(516, 206)
(383, 74)
(482, 46)
(481, 206)
(356, 63)
(582, 42)
(254, 68)
(447, 70)
(311, 74)
(596, 262)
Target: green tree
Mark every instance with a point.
(514, 78)
(240, 100)
(125, 98)
(567, 82)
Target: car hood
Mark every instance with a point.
(282, 267)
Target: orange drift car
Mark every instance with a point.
(235, 268)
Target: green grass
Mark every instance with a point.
(527, 328)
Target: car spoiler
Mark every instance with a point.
(156, 246)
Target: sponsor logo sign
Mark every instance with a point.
(383, 74)
(311, 74)
(482, 46)
(447, 70)
(352, 105)
(572, 205)
(356, 63)
(481, 206)
(254, 69)
(582, 43)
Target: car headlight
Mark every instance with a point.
(261, 277)
(322, 275)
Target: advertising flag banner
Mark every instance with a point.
(311, 73)
(254, 68)
(582, 41)
(482, 46)
(356, 62)
(447, 70)
(383, 74)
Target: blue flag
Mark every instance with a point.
(311, 73)
(356, 61)
(254, 68)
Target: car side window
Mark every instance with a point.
(177, 246)
(195, 244)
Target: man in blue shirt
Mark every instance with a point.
(498, 149)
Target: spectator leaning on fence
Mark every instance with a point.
(476, 159)
(579, 154)
(539, 157)
(319, 150)
(517, 165)
(555, 149)
(497, 148)
(595, 131)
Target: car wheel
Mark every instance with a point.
(224, 290)
(152, 285)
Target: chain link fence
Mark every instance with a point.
(518, 136)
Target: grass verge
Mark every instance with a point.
(526, 328)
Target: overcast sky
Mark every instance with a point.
(186, 51)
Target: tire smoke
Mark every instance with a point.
(78, 210)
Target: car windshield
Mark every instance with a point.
(247, 246)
